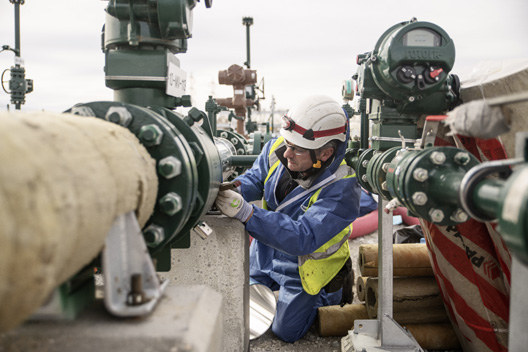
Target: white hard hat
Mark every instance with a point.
(314, 122)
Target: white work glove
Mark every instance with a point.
(233, 205)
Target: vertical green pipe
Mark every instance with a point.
(364, 124)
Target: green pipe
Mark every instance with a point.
(487, 197)
(242, 160)
(444, 187)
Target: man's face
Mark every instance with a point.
(298, 158)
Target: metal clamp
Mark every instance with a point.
(131, 285)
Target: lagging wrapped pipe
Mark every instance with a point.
(478, 119)
(63, 180)
(361, 287)
(409, 259)
(415, 300)
(337, 320)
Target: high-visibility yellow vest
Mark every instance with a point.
(318, 268)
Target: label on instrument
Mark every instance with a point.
(176, 79)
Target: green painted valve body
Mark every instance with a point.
(140, 40)
(405, 77)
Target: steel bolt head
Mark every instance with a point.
(385, 167)
(436, 215)
(169, 167)
(438, 158)
(420, 174)
(119, 115)
(171, 203)
(153, 235)
(150, 135)
(364, 178)
(419, 198)
(234, 140)
(365, 163)
(195, 114)
(82, 111)
(384, 186)
(241, 151)
(462, 158)
(459, 216)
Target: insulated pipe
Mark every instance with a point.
(63, 181)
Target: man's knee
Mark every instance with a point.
(288, 333)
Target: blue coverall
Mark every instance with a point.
(281, 236)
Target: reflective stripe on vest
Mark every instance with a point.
(318, 268)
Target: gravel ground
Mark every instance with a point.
(312, 341)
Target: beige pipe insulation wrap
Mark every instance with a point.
(63, 180)
(409, 259)
(361, 287)
(415, 300)
(337, 320)
(438, 337)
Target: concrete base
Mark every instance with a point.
(186, 319)
(221, 262)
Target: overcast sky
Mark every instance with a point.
(300, 47)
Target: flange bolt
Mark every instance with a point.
(420, 174)
(438, 158)
(169, 167)
(150, 135)
(459, 216)
(153, 235)
(419, 198)
(119, 115)
(171, 203)
(462, 158)
(436, 215)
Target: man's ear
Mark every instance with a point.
(325, 154)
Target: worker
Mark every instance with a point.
(310, 197)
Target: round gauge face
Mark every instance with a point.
(422, 37)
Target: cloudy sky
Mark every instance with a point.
(300, 47)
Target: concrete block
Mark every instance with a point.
(221, 262)
(187, 318)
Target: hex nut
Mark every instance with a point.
(150, 135)
(438, 158)
(420, 174)
(364, 178)
(365, 163)
(195, 114)
(169, 167)
(82, 111)
(419, 198)
(154, 235)
(223, 135)
(119, 115)
(436, 215)
(462, 158)
(171, 203)
(459, 216)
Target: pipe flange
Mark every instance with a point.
(162, 140)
